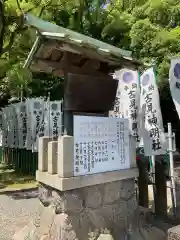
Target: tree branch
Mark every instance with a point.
(18, 5)
(2, 26)
(41, 12)
(19, 29)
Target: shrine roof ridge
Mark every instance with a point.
(50, 31)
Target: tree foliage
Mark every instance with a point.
(149, 28)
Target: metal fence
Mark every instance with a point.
(21, 160)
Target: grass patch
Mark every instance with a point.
(21, 186)
(9, 178)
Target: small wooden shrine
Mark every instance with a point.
(86, 64)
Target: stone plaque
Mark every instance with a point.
(101, 144)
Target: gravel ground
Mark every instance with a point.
(16, 210)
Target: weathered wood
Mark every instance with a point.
(143, 183)
(58, 68)
(85, 93)
(68, 122)
(54, 60)
(161, 189)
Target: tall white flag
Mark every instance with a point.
(174, 81)
(128, 99)
(151, 122)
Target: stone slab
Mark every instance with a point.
(70, 183)
(66, 156)
(52, 157)
(43, 153)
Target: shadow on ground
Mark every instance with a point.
(16, 185)
(8, 176)
(24, 194)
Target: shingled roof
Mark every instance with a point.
(53, 40)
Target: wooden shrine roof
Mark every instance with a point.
(56, 48)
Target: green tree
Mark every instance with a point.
(85, 16)
(149, 28)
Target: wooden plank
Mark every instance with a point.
(161, 189)
(143, 183)
(85, 93)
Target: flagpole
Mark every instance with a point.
(49, 114)
(153, 173)
(173, 192)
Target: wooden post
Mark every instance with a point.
(68, 122)
(143, 183)
(161, 190)
(67, 119)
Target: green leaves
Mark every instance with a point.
(149, 28)
(18, 78)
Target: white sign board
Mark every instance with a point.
(101, 144)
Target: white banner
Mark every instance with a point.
(55, 119)
(52, 120)
(10, 126)
(1, 124)
(174, 81)
(5, 127)
(37, 112)
(128, 99)
(14, 128)
(22, 124)
(30, 120)
(151, 124)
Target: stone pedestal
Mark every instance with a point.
(82, 211)
(83, 207)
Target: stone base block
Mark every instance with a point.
(75, 214)
(52, 157)
(88, 212)
(43, 153)
(69, 183)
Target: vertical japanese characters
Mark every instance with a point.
(100, 144)
(24, 122)
(152, 127)
(128, 99)
(137, 99)
(21, 114)
(174, 82)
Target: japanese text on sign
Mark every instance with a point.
(152, 120)
(126, 104)
(100, 144)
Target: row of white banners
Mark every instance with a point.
(138, 100)
(24, 122)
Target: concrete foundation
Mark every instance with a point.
(101, 206)
(82, 211)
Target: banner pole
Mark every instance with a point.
(153, 174)
(170, 150)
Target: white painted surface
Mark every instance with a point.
(101, 144)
